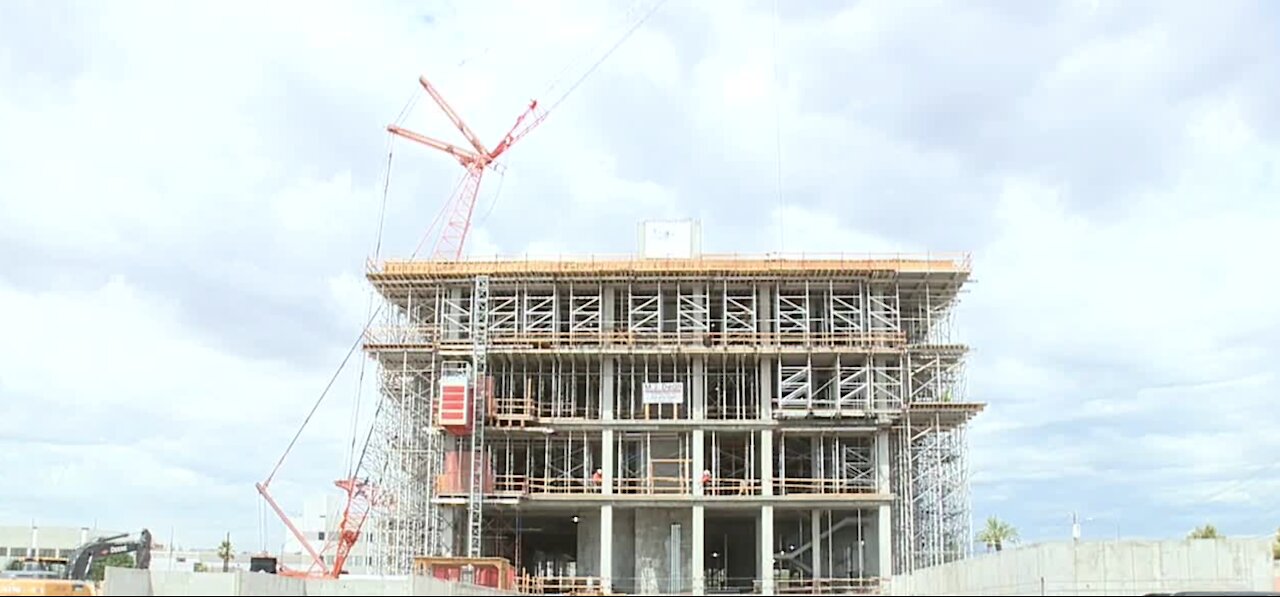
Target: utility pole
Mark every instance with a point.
(225, 552)
(1075, 525)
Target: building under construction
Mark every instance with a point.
(656, 425)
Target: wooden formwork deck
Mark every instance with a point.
(709, 265)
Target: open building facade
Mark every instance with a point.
(673, 425)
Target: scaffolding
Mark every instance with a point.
(406, 453)
(805, 379)
(933, 523)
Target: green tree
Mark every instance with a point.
(1206, 531)
(1275, 546)
(200, 567)
(15, 564)
(997, 534)
(116, 560)
(224, 552)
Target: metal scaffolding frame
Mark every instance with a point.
(549, 464)
(932, 509)
(821, 463)
(408, 448)
(754, 350)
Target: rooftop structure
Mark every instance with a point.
(668, 424)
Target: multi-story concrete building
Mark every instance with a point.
(701, 424)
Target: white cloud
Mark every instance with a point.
(1163, 304)
(805, 230)
(186, 212)
(108, 395)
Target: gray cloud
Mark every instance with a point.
(239, 193)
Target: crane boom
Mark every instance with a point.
(517, 132)
(464, 156)
(453, 116)
(316, 560)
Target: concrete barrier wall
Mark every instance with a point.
(360, 586)
(424, 585)
(181, 582)
(258, 583)
(1101, 568)
(126, 581)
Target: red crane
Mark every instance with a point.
(475, 160)
(361, 495)
(360, 499)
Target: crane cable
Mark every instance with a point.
(381, 225)
(777, 137)
(617, 44)
(327, 387)
(386, 173)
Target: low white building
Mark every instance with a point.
(21, 541)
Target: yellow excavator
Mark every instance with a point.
(57, 576)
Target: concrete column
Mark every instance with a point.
(815, 550)
(606, 461)
(606, 311)
(766, 550)
(699, 390)
(766, 462)
(699, 461)
(606, 548)
(606, 389)
(884, 542)
(698, 565)
(882, 462)
(764, 307)
(766, 388)
(606, 414)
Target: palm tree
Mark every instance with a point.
(224, 552)
(997, 533)
(1206, 531)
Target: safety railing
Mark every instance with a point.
(817, 486)
(826, 586)
(656, 485)
(728, 486)
(706, 262)
(562, 485)
(560, 585)
(431, 335)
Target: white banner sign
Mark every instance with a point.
(663, 393)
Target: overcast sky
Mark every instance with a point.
(189, 192)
